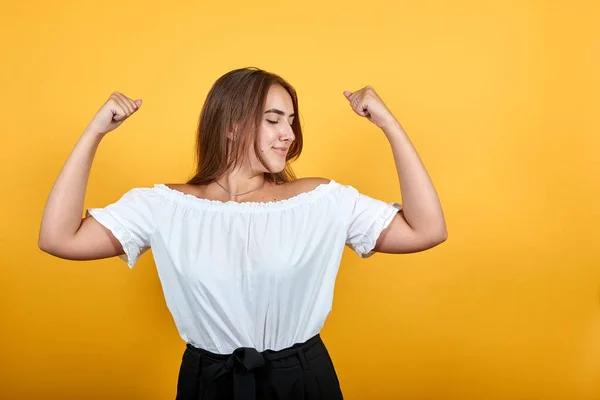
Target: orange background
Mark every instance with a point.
(500, 99)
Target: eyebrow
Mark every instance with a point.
(276, 111)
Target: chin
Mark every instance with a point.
(277, 169)
(276, 166)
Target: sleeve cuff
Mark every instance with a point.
(366, 245)
(130, 247)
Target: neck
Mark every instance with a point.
(240, 182)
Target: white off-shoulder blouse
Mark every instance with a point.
(246, 274)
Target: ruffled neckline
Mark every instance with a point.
(190, 199)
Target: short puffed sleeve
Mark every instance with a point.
(365, 219)
(131, 219)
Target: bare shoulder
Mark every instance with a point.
(304, 185)
(178, 186)
(185, 188)
(311, 183)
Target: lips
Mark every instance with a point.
(281, 150)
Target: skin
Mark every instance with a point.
(275, 136)
(419, 226)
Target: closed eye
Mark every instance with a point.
(278, 112)
(275, 122)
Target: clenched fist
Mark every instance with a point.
(113, 113)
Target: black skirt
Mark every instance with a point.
(303, 371)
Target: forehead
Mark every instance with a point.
(278, 97)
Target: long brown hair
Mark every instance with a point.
(236, 101)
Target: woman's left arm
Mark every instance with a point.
(421, 224)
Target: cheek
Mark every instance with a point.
(266, 137)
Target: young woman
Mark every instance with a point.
(246, 253)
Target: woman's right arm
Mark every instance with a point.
(63, 231)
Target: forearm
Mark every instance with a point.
(421, 205)
(64, 206)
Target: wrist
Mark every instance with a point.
(391, 127)
(92, 134)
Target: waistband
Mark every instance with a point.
(245, 360)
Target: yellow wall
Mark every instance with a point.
(500, 99)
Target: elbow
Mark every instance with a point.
(44, 239)
(438, 236)
(44, 246)
(441, 235)
(50, 241)
(48, 244)
(433, 232)
(53, 249)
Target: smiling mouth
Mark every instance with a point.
(282, 151)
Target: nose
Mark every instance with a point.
(287, 133)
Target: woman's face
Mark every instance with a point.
(275, 135)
